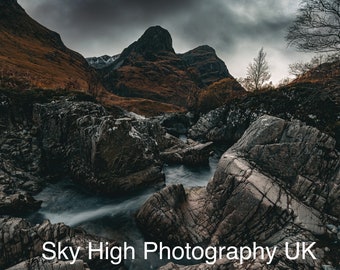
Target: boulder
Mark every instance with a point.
(176, 123)
(314, 104)
(40, 263)
(190, 153)
(22, 243)
(107, 154)
(18, 203)
(286, 175)
(172, 149)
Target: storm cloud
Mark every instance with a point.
(237, 29)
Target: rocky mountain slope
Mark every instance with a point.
(148, 77)
(34, 56)
(151, 69)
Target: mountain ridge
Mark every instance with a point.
(150, 68)
(36, 55)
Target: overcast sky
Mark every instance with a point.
(237, 29)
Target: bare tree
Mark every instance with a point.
(300, 68)
(316, 27)
(257, 72)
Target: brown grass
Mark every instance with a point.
(42, 65)
(141, 106)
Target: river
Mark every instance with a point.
(114, 218)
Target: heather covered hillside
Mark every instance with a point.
(33, 56)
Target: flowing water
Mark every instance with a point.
(113, 218)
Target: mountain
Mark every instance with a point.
(33, 56)
(151, 69)
(101, 61)
(148, 77)
(204, 59)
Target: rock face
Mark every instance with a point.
(177, 123)
(286, 175)
(190, 153)
(48, 137)
(21, 241)
(154, 40)
(315, 104)
(19, 159)
(151, 69)
(105, 153)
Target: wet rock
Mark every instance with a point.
(17, 203)
(107, 154)
(176, 123)
(264, 170)
(19, 170)
(41, 264)
(296, 101)
(20, 241)
(219, 265)
(172, 149)
(188, 153)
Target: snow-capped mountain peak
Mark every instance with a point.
(102, 61)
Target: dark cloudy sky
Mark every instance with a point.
(237, 29)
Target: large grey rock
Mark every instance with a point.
(277, 182)
(106, 154)
(172, 149)
(19, 160)
(190, 153)
(41, 264)
(21, 241)
(314, 104)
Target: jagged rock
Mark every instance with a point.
(280, 260)
(172, 149)
(16, 188)
(20, 241)
(314, 104)
(253, 172)
(188, 153)
(19, 160)
(107, 154)
(17, 203)
(176, 123)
